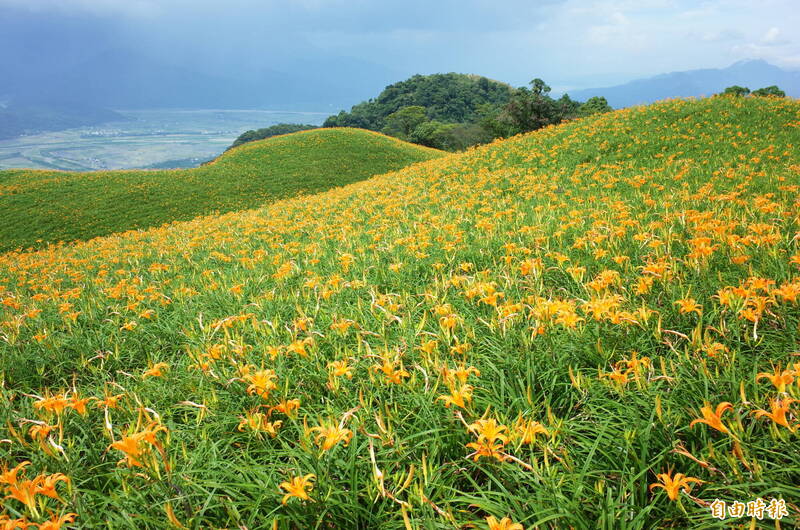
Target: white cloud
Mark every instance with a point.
(773, 37)
(769, 53)
(790, 62)
(724, 35)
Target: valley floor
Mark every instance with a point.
(164, 137)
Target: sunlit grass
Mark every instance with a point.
(529, 330)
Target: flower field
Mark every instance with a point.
(590, 326)
(40, 207)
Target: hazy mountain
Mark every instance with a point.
(16, 120)
(121, 78)
(694, 83)
(78, 91)
(49, 57)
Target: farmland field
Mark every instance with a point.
(595, 325)
(160, 137)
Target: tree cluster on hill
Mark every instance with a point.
(448, 98)
(268, 132)
(742, 91)
(454, 111)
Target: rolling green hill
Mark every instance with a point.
(38, 207)
(268, 132)
(593, 326)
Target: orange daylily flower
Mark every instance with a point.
(458, 397)
(108, 401)
(528, 429)
(7, 523)
(488, 449)
(47, 484)
(491, 439)
(340, 369)
(330, 435)
(780, 378)
(674, 485)
(79, 404)
(288, 407)
(40, 431)
(130, 445)
(257, 422)
(428, 347)
(25, 491)
(503, 524)
(635, 364)
(298, 487)
(779, 409)
(262, 382)
(448, 322)
(688, 305)
(9, 476)
(713, 418)
(394, 375)
(489, 429)
(156, 370)
(617, 376)
(299, 346)
(461, 374)
(55, 404)
(56, 521)
(135, 446)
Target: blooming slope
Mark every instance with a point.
(525, 334)
(39, 207)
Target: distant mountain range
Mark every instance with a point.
(121, 78)
(41, 93)
(753, 74)
(18, 120)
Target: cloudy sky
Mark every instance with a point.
(569, 43)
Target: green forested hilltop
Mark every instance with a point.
(38, 207)
(455, 111)
(450, 98)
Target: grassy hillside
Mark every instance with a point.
(529, 330)
(47, 206)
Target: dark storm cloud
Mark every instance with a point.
(568, 42)
(351, 15)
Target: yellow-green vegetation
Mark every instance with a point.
(39, 207)
(591, 326)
